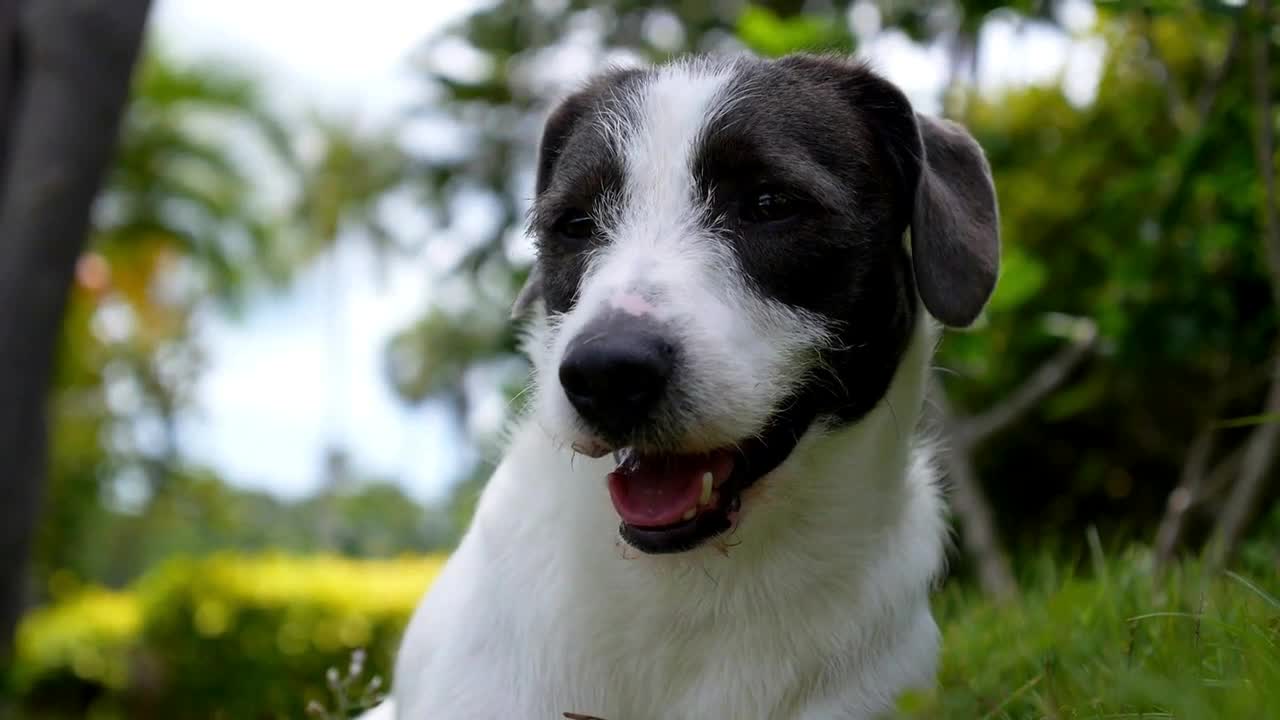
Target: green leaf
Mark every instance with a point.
(766, 33)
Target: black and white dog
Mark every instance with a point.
(719, 505)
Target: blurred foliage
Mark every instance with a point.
(227, 636)
(767, 34)
(1115, 211)
(214, 199)
(86, 636)
(199, 514)
(179, 221)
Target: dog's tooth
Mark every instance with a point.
(707, 482)
(688, 514)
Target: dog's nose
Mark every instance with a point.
(615, 372)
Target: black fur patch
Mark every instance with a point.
(804, 133)
(578, 170)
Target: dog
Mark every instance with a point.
(718, 503)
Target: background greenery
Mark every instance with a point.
(1135, 263)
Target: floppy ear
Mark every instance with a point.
(955, 228)
(946, 184)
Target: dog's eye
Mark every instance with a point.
(575, 225)
(769, 204)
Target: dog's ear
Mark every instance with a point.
(955, 228)
(947, 194)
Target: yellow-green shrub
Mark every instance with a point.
(84, 639)
(226, 636)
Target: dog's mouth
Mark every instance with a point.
(674, 502)
(669, 503)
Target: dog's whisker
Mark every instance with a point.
(897, 426)
(945, 370)
(714, 582)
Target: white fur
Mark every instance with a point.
(815, 606)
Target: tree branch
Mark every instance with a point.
(1172, 95)
(1196, 481)
(1035, 388)
(1188, 492)
(1220, 476)
(1261, 447)
(1259, 454)
(978, 532)
(1209, 93)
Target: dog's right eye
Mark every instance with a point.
(769, 203)
(574, 225)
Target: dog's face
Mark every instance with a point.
(722, 260)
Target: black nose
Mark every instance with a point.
(615, 373)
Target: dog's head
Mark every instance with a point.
(721, 256)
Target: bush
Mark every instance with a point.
(76, 652)
(222, 637)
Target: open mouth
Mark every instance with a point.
(670, 503)
(674, 502)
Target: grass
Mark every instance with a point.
(1116, 644)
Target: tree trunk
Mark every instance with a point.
(68, 64)
(8, 76)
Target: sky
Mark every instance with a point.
(265, 408)
(274, 394)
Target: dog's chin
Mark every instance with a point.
(671, 502)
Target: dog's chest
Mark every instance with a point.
(546, 655)
(624, 639)
(659, 665)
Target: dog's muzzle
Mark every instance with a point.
(620, 373)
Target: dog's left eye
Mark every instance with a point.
(769, 204)
(575, 225)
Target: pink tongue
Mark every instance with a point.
(652, 491)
